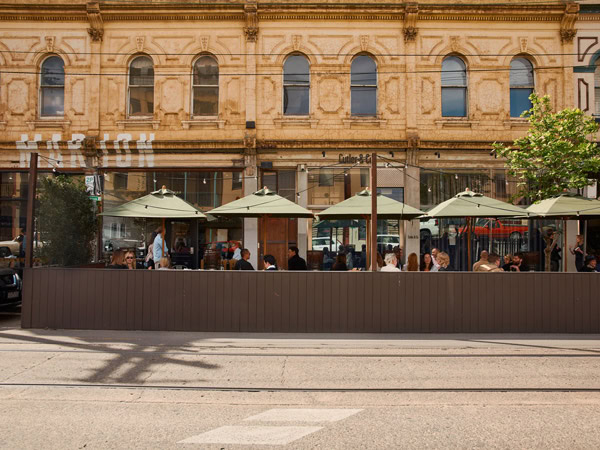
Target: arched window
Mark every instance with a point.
(363, 86)
(52, 87)
(296, 86)
(141, 87)
(205, 83)
(454, 87)
(597, 88)
(521, 86)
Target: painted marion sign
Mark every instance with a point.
(122, 152)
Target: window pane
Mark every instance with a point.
(206, 72)
(53, 100)
(326, 177)
(363, 71)
(295, 100)
(521, 73)
(363, 101)
(364, 177)
(53, 72)
(206, 100)
(597, 87)
(141, 72)
(141, 101)
(454, 102)
(519, 101)
(236, 181)
(454, 72)
(296, 70)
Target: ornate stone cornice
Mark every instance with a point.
(567, 24)
(96, 30)
(410, 22)
(251, 14)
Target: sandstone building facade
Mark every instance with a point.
(216, 100)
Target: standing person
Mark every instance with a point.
(295, 261)
(270, 263)
(21, 239)
(426, 263)
(117, 260)
(493, 264)
(398, 252)
(390, 263)
(157, 247)
(483, 259)
(444, 262)
(412, 263)
(590, 264)
(434, 254)
(340, 263)
(243, 263)
(130, 260)
(578, 252)
(237, 251)
(518, 265)
(349, 258)
(363, 256)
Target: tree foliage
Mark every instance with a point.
(559, 152)
(66, 221)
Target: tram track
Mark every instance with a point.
(250, 389)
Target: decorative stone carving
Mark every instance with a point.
(204, 43)
(410, 22)
(455, 43)
(249, 144)
(96, 30)
(567, 24)
(296, 40)
(139, 42)
(50, 44)
(251, 13)
(523, 44)
(364, 42)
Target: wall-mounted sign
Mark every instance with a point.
(360, 159)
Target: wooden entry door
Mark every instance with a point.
(280, 235)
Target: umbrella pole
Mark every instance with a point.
(368, 262)
(468, 244)
(564, 252)
(491, 236)
(164, 232)
(373, 212)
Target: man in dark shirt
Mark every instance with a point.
(295, 262)
(518, 265)
(243, 263)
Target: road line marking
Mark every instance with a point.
(251, 435)
(304, 415)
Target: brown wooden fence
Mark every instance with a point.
(309, 302)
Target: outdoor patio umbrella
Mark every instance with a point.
(566, 206)
(469, 204)
(262, 204)
(159, 204)
(359, 206)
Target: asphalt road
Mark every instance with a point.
(85, 389)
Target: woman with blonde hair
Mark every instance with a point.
(164, 263)
(130, 260)
(412, 263)
(444, 261)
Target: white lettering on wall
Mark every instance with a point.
(124, 156)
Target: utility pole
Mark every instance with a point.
(30, 210)
(373, 212)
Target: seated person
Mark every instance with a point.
(270, 263)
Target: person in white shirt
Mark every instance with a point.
(237, 253)
(157, 248)
(436, 265)
(390, 263)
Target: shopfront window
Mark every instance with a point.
(205, 190)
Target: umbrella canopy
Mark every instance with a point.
(472, 204)
(359, 206)
(159, 204)
(566, 205)
(259, 204)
